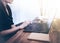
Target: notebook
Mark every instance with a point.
(39, 37)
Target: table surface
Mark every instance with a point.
(21, 37)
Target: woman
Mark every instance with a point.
(7, 27)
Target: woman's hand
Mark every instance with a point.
(13, 26)
(18, 27)
(26, 23)
(23, 25)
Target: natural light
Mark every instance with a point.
(29, 9)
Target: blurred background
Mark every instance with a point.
(30, 9)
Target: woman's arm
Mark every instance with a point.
(13, 29)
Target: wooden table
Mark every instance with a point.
(21, 37)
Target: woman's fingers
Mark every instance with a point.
(26, 23)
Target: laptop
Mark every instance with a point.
(37, 28)
(40, 36)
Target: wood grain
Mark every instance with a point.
(21, 37)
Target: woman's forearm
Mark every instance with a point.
(14, 28)
(5, 32)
